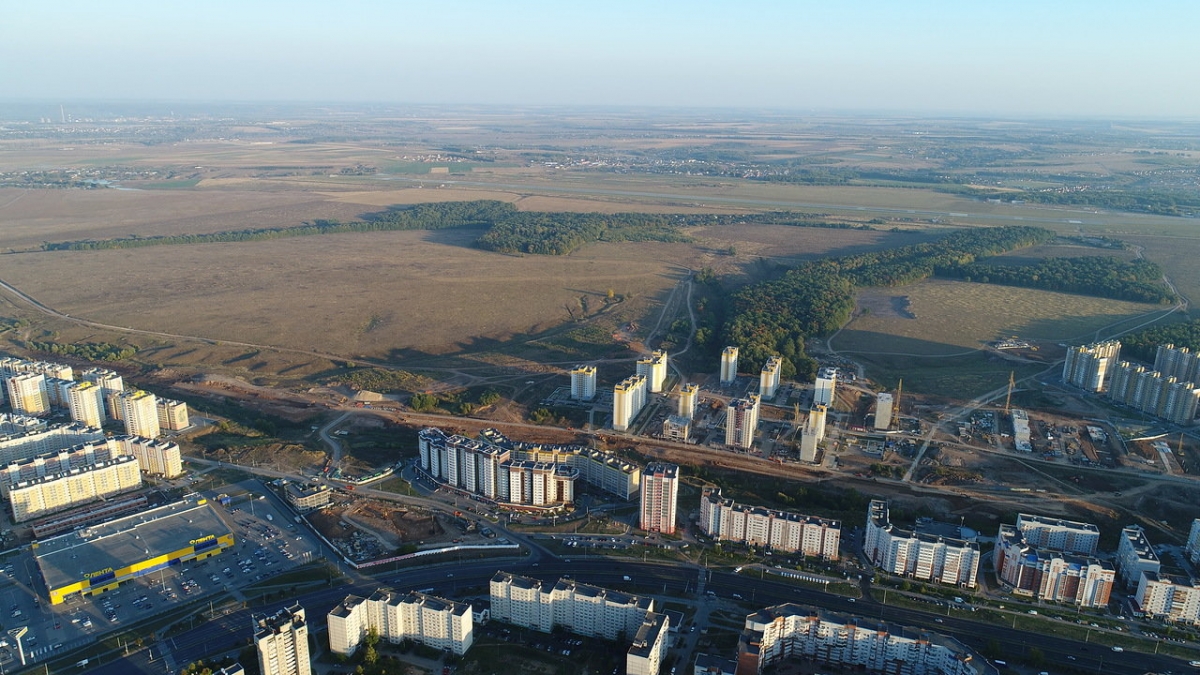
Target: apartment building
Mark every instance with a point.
(1057, 534)
(1193, 543)
(1050, 575)
(825, 387)
(56, 463)
(27, 394)
(687, 400)
(793, 632)
(282, 642)
(813, 432)
(395, 617)
(741, 421)
(883, 411)
(1155, 393)
(677, 428)
(1169, 597)
(654, 369)
(768, 379)
(111, 384)
(578, 608)
(85, 401)
(24, 437)
(729, 365)
(1178, 362)
(1088, 366)
(724, 520)
(919, 555)
(307, 498)
(1135, 555)
(583, 383)
(172, 415)
(157, 458)
(649, 648)
(629, 397)
(139, 411)
(660, 491)
(60, 491)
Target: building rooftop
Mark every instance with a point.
(347, 606)
(648, 634)
(67, 558)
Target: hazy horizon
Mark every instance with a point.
(1071, 59)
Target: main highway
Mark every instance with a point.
(232, 631)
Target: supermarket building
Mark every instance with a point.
(98, 558)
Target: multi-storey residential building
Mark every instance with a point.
(578, 608)
(883, 411)
(85, 401)
(677, 428)
(1135, 555)
(922, 556)
(724, 520)
(729, 365)
(1020, 425)
(172, 415)
(1087, 366)
(139, 410)
(395, 617)
(1180, 362)
(1050, 575)
(158, 458)
(1155, 393)
(741, 421)
(1057, 534)
(825, 388)
(629, 396)
(24, 437)
(1168, 597)
(645, 656)
(687, 400)
(27, 394)
(282, 642)
(813, 432)
(660, 491)
(56, 463)
(583, 383)
(522, 473)
(1193, 543)
(111, 384)
(794, 632)
(57, 492)
(768, 379)
(654, 369)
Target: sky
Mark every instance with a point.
(1044, 58)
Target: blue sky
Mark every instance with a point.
(1009, 58)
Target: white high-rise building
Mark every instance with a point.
(1135, 555)
(1193, 542)
(159, 458)
(583, 383)
(85, 400)
(729, 365)
(812, 433)
(925, 557)
(396, 617)
(1087, 366)
(654, 369)
(768, 379)
(883, 411)
(687, 401)
(1058, 534)
(27, 394)
(139, 410)
(282, 642)
(629, 396)
(578, 608)
(724, 520)
(51, 493)
(660, 491)
(825, 388)
(1168, 597)
(112, 384)
(741, 421)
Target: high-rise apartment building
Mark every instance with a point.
(687, 400)
(825, 387)
(282, 642)
(1048, 574)
(85, 400)
(741, 421)
(768, 379)
(1135, 555)
(583, 383)
(812, 433)
(111, 383)
(1180, 363)
(1154, 392)
(1168, 597)
(172, 415)
(139, 410)
(724, 520)
(729, 365)
(925, 556)
(396, 617)
(158, 458)
(883, 411)
(654, 369)
(1060, 535)
(56, 492)
(660, 490)
(1193, 543)
(629, 396)
(578, 608)
(1087, 366)
(27, 394)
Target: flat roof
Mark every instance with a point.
(124, 541)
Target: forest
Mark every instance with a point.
(1143, 345)
(1100, 276)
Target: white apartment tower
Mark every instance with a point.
(1179, 362)
(85, 400)
(27, 394)
(139, 410)
(395, 617)
(883, 411)
(825, 388)
(768, 379)
(687, 400)
(583, 383)
(1135, 555)
(629, 396)
(1193, 543)
(729, 365)
(111, 384)
(654, 369)
(812, 433)
(660, 489)
(1087, 366)
(741, 421)
(282, 642)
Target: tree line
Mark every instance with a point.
(89, 351)
(1100, 276)
(1143, 345)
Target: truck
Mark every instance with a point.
(626, 578)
